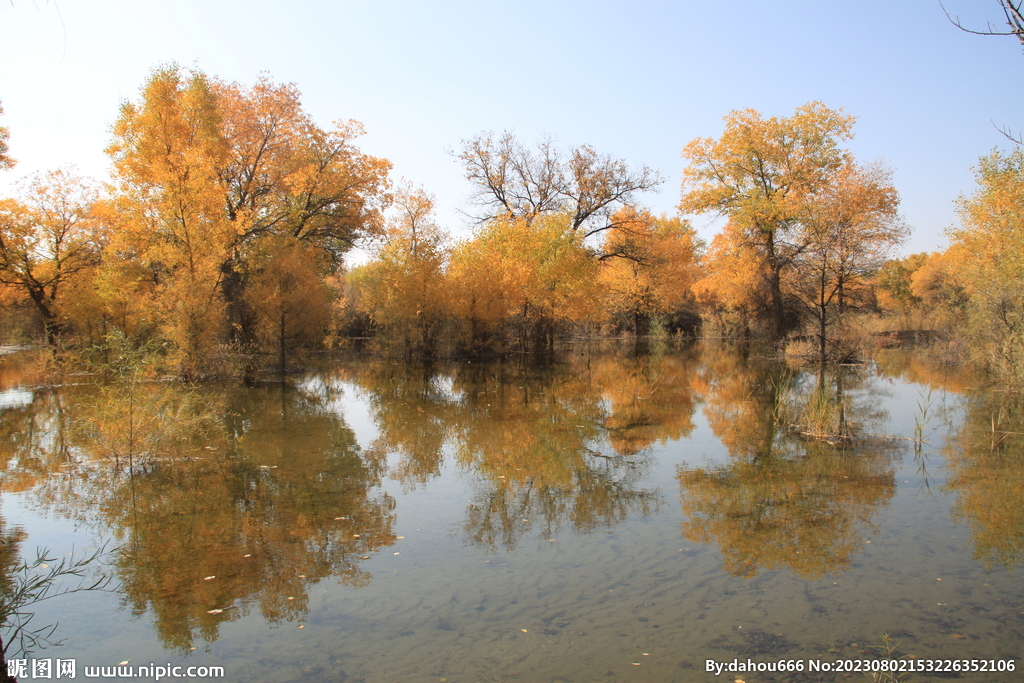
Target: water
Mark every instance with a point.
(607, 517)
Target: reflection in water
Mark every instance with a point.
(562, 444)
(277, 499)
(275, 496)
(985, 458)
(791, 495)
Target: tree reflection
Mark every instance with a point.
(243, 521)
(785, 499)
(553, 445)
(652, 397)
(985, 457)
(412, 408)
(538, 441)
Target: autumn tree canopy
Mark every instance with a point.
(208, 174)
(47, 237)
(993, 236)
(765, 175)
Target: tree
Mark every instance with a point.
(657, 268)
(733, 288)
(527, 277)
(1013, 10)
(290, 300)
(48, 238)
(5, 158)
(513, 181)
(853, 224)
(207, 170)
(763, 174)
(993, 235)
(403, 289)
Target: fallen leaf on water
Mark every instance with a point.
(124, 663)
(214, 611)
(302, 626)
(635, 663)
(290, 597)
(247, 555)
(401, 537)
(365, 557)
(302, 576)
(355, 535)
(524, 630)
(207, 578)
(398, 553)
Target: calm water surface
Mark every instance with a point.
(612, 516)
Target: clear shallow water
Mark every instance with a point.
(610, 517)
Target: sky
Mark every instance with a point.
(636, 80)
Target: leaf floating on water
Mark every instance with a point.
(44, 566)
(400, 537)
(398, 553)
(365, 557)
(524, 630)
(247, 555)
(207, 578)
(302, 626)
(214, 611)
(124, 663)
(355, 535)
(302, 576)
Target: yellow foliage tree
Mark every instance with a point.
(993, 235)
(48, 239)
(649, 267)
(853, 223)
(732, 289)
(403, 289)
(763, 174)
(290, 300)
(531, 277)
(206, 170)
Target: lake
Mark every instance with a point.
(615, 514)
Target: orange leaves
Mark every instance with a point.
(47, 239)
(763, 169)
(650, 265)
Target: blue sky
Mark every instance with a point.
(637, 80)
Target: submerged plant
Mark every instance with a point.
(138, 416)
(888, 648)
